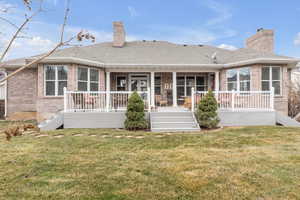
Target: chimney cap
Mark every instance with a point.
(260, 29)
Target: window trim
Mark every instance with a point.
(238, 81)
(271, 78)
(55, 80)
(88, 78)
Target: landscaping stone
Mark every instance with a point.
(58, 136)
(77, 135)
(39, 136)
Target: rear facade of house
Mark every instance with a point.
(170, 77)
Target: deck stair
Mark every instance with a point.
(173, 122)
(286, 121)
(53, 123)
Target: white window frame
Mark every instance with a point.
(55, 80)
(88, 78)
(271, 78)
(238, 81)
(195, 82)
(135, 77)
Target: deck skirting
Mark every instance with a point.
(116, 119)
(247, 118)
(95, 119)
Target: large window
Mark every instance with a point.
(56, 78)
(185, 83)
(271, 77)
(88, 79)
(238, 79)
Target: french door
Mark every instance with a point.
(139, 83)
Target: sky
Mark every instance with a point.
(222, 23)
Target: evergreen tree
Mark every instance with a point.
(135, 114)
(207, 111)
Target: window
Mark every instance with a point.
(185, 83)
(271, 77)
(180, 86)
(56, 78)
(201, 83)
(157, 85)
(244, 79)
(88, 79)
(121, 83)
(238, 79)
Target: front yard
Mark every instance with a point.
(233, 163)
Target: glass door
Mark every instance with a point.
(139, 83)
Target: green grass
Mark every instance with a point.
(233, 163)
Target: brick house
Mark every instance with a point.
(171, 73)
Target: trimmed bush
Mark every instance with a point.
(207, 111)
(135, 114)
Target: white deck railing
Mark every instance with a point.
(2, 91)
(239, 101)
(100, 101)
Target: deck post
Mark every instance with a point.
(107, 91)
(272, 94)
(149, 99)
(232, 99)
(217, 81)
(217, 85)
(152, 90)
(193, 100)
(65, 99)
(174, 89)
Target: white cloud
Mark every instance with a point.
(297, 40)
(5, 7)
(132, 11)
(222, 11)
(228, 47)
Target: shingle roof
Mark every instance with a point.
(160, 52)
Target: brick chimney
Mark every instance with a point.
(262, 41)
(119, 34)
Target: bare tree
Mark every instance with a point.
(20, 28)
(294, 100)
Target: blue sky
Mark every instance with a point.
(221, 23)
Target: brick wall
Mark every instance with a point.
(281, 102)
(21, 94)
(48, 106)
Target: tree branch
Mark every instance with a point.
(19, 30)
(65, 21)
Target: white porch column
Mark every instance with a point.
(174, 89)
(107, 91)
(217, 81)
(152, 89)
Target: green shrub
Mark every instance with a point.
(207, 111)
(135, 114)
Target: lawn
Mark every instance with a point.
(233, 163)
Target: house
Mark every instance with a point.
(170, 77)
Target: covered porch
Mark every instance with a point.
(164, 92)
(167, 89)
